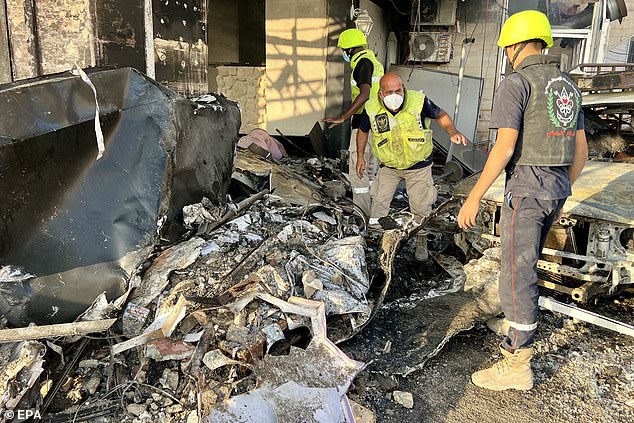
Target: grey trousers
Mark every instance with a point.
(524, 225)
(361, 186)
(420, 189)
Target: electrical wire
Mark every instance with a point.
(397, 10)
(501, 5)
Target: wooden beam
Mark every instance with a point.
(52, 331)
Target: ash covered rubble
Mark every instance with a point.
(240, 315)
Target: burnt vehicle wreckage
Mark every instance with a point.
(182, 278)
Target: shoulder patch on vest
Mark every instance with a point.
(382, 123)
(563, 103)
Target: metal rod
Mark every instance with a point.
(586, 316)
(457, 105)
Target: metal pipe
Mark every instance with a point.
(586, 316)
(460, 78)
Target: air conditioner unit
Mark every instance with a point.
(438, 12)
(430, 47)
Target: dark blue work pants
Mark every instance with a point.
(524, 225)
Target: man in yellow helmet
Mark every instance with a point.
(402, 142)
(541, 144)
(364, 81)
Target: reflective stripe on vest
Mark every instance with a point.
(547, 136)
(402, 140)
(377, 73)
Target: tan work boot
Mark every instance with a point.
(512, 372)
(421, 253)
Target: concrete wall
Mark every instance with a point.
(64, 29)
(377, 40)
(246, 85)
(482, 56)
(23, 47)
(296, 51)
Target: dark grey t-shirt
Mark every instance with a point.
(542, 182)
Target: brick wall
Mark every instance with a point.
(246, 85)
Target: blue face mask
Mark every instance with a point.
(345, 56)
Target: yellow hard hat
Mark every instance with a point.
(351, 38)
(525, 26)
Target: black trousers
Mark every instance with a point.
(524, 225)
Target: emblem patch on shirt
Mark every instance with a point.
(563, 103)
(382, 123)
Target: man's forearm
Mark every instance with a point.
(446, 123)
(581, 155)
(356, 105)
(362, 141)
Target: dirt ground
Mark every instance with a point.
(582, 373)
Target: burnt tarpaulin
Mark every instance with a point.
(77, 226)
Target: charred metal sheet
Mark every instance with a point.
(290, 185)
(441, 317)
(120, 33)
(180, 44)
(606, 81)
(603, 191)
(305, 385)
(78, 224)
(624, 98)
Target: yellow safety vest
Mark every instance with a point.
(377, 73)
(402, 140)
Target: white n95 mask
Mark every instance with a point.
(393, 101)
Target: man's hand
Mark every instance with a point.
(468, 213)
(334, 121)
(458, 138)
(360, 166)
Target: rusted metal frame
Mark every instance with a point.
(609, 67)
(586, 291)
(557, 253)
(564, 270)
(607, 81)
(609, 265)
(555, 286)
